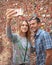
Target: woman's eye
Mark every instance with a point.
(24, 25)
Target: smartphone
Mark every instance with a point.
(19, 11)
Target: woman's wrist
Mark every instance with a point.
(8, 21)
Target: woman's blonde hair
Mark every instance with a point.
(28, 32)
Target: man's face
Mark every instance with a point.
(33, 25)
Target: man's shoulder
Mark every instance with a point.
(44, 33)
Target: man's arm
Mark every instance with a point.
(48, 48)
(48, 57)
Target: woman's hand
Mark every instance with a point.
(10, 14)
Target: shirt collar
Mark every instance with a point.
(38, 32)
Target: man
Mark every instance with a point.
(51, 34)
(43, 43)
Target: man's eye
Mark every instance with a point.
(33, 24)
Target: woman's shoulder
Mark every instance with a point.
(15, 35)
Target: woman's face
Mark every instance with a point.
(24, 27)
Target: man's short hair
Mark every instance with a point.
(35, 18)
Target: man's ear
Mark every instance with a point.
(39, 24)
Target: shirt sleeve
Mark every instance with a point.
(10, 35)
(47, 41)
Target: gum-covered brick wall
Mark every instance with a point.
(42, 8)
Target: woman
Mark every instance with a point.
(20, 41)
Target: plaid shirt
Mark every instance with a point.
(42, 42)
